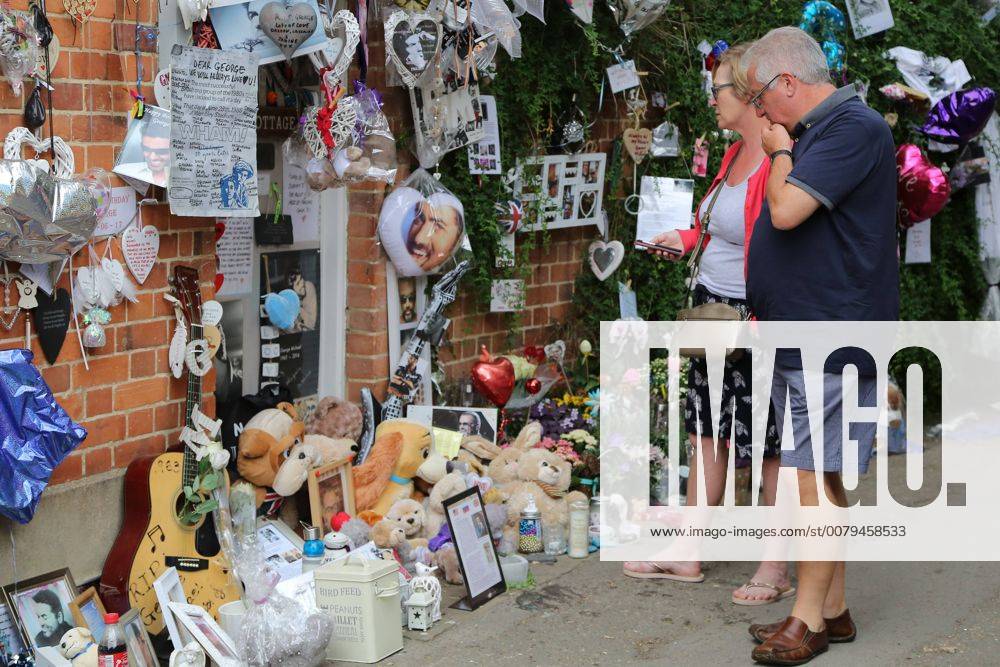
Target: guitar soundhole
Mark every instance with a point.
(179, 508)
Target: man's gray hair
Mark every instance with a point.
(787, 50)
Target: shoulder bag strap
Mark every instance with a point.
(694, 263)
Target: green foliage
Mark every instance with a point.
(561, 60)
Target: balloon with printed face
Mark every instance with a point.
(922, 187)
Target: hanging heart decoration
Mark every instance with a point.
(282, 308)
(8, 312)
(588, 202)
(637, 142)
(556, 351)
(161, 88)
(605, 257)
(287, 27)
(80, 10)
(220, 277)
(140, 247)
(20, 137)
(51, 319)
(413, 43)
(342, 36)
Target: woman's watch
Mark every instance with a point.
(781, 151)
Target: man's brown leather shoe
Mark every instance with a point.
(792, 644)
(840, 630)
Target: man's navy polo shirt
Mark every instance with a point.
(842, 262)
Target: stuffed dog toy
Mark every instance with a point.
(262, 445)
(313, 452)
(78, 646)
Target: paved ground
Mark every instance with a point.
(586, 613)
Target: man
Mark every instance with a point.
(308, 301)
(407, 300)
(50, 615)
(468, 423)
(436, 230)
(154, 142)
(824, 248)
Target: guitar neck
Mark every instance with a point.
(192, 399)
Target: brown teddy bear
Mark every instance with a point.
(409, 515)
(452, 483)
(503, 467)
(546, 477)
(336, 418)
(262, 445)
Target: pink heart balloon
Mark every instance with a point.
(922, 188)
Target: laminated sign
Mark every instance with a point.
(213, 133)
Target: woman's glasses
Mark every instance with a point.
(716, 89)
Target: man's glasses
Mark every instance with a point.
(755, 100)
(716, 89)
(156, 151)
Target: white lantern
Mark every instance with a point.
(419, 611)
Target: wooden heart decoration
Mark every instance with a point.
(287, 27)
(52, 322)
(493, 377)
(638, 142)
(413, 42)
(588, 201)
(220, 278)
(80, 10)
(605, 257)
(20, 137)
(342, 35)
(140, 247)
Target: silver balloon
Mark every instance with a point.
(42, 218)
(634, 15)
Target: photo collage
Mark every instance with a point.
(563, 190)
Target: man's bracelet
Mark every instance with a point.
(781, 151)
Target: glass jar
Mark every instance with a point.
(529, 530)
(554, 539)
(579, 538)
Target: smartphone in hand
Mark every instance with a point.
(662, 248)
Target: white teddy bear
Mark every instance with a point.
(78, 646)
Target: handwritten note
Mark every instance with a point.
(120, 212)
(234, 251)
(918, 243)
(301, 203)
(213, 133)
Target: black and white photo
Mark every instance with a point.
(42, 607)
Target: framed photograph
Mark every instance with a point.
(145, 155)
(140, 648)
(217, 644)
(561, 190)
(477, 555)
(406, 299)
(169, 590)
(11, 639)
(88, 612)
(41, 605)
(331, 490)
(449, 424)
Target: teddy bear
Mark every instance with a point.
(266, 438)
(387, 475)
(544, 476)
(388, 534)
(336, 418)
(313, 452)
(409, 515)
(503, 467)
(78, 646)
(452, 483)
(477, 452)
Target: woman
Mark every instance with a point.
(722, 278)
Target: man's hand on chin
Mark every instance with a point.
(775, 138)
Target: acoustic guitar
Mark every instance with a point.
(153, 537)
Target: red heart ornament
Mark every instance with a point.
(922, 188)
(493, 377)
(533, 385)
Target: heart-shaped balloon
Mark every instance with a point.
(961, 116)
(922, 188)
(556, 351)
(282, 308)
(493, 377)
(288, 27)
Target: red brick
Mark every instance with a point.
(140, 422)
(141, 393)
(99, 402)
(104, 430)
(70, 469)
(57, 377)
(143, 364)
(167, 416)
(144, 335)
(73, 404)
(98, 460)
(103, 371)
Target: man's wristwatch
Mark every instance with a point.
(782, 151)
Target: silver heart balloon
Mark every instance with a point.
(42, 218)
(288, 26)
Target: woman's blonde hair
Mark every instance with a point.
(733, 57)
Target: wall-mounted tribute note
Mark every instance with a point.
(213, 136)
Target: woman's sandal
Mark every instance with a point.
(653, 571)
(781, 594)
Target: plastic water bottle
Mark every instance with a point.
(313, 549)
(111, 652)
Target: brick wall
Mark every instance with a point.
(128, 401)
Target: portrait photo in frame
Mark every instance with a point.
(404, 294)
(88, 612)
(331, 490)
(217, 644)
(41, 606)
(561, 190)
(141, 652)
